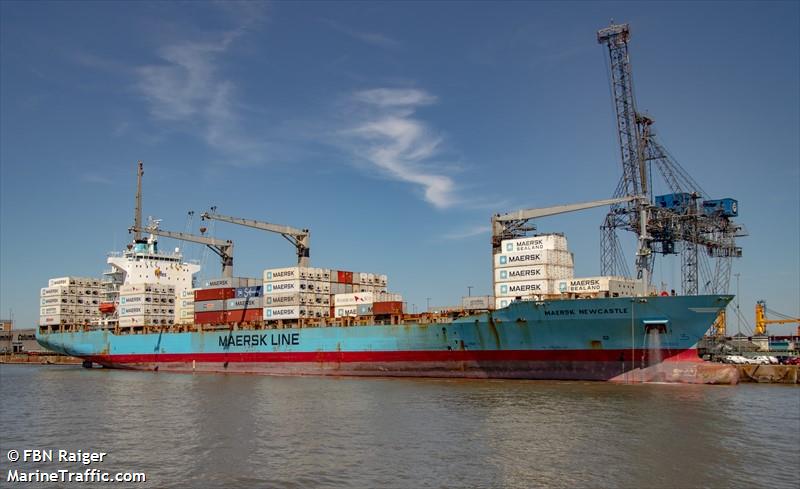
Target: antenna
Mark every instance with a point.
(137, 217)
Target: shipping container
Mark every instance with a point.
(283, 274)
(345, 311)
(207, 306)
(615, 286)
(225, 283)
(254, 291)
(290, 299)
(526, 288)
(187, 293)
(285, 287)
(51, 301)
(283, 312)
(344, 277)
(545, 257)
(390, 307)
(540, 242)
(243, 315)
(353, 299)
(245, 303)
(502, 302)
(213, 317)
(57, 310)
(58, 290)
(477, 302)
(70, 281)
(533, 272)
(214, 294)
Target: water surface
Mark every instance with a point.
(209, 430)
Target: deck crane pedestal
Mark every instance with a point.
(298, 237)
(223, 248)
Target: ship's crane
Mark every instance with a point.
(762, 321)
(298, 237)
(137, 213)
(681, 217)
(516, 224)
(223, 248)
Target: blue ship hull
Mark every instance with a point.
(620, 339)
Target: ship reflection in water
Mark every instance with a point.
(248, 431)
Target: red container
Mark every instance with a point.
(244, 315)
(215, 317)
(392, 307)
(344, 277)
(214, 294)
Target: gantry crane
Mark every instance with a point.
(680, 217)
(223, 248)
(762, 321)
(298, 237)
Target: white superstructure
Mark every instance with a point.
(143, 263)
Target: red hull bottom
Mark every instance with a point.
(682, 368)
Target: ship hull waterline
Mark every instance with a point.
(586, 339)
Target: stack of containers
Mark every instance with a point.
(146, 304)
(531, 267)
(227, 300)
(246, 305)
(296, 292)
(184, 306)
(367, 304)
(70, 300)
(307, 292)
(209, 304)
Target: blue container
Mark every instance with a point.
(254, 291)
(721, 207)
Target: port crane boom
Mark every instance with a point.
(762, 321)
(298, 237)
(223, 248)
(514, 224)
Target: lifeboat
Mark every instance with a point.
(107, 307)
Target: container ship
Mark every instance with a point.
(149, 313)
(541, 322)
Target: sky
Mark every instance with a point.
(392, 130)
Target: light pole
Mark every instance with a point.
(428, 308)
(469, 290)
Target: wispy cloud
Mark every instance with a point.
(398, 144)
(189, 88)
(374, 38)
(96, 178)
(468, 233)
